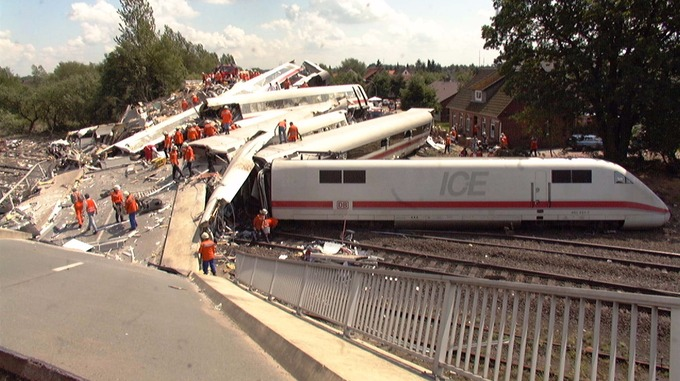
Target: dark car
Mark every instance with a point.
(579, 142)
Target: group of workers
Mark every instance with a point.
(292, 134)
(122, 203)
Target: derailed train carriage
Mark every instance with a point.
(464, 192)
(388, 137)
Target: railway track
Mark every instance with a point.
(560, 245)
(421, 261)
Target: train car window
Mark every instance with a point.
(561, 177)
(619, 178)
(582, 176)
(354, 177)
(330, 177)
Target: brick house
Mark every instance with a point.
(482, 106)
(445, 91)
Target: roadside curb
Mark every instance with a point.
(33, 369)
(298, 363)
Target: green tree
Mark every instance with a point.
(18, 100)
(381, 84)
(397, 83)
(354, 65)
(126, 74)
(417, 93)
(227, 59)
(606, 58)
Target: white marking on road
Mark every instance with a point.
(62, 268)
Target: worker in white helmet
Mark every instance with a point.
(117, 199)
(206, 252)
(261, 225)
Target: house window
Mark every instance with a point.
(483, 126)
(492, 134)
(467, 125)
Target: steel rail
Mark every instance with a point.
(560, 241)
(623, 261)
(486, 266)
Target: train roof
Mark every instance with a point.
(352, 136)
(489, 163)
(281, 94)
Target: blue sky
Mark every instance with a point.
(258, 33)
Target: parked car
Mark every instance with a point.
(579, 142)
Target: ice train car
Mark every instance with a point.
(464, 192)
(387, 137)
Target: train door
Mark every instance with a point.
(540, 197)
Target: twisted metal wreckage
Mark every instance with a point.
(144, 124)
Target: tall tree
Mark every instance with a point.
(139, 26)
(418, 94)
(354, 65)
(602, 57)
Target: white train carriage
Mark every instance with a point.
(243, 106)
(387, 137)
(464, 192)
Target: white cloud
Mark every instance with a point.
(15, 55)
(168, 12)
(99, 22)
(219, 1)
(352, 11)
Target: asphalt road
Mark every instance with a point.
(103, 319)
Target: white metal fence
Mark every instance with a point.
(484, 329)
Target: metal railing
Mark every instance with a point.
(26, 186)
(483, 329)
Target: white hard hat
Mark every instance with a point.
(263, 211)
(185, 145)
(116, 187)
(126, 193)
(165, 132)
(205, 235)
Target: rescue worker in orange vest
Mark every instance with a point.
(117, 203)
(174, 160)
(207, 253)
(131, 208)
(185, 105)
(261, 225)
(209, 130)
(167, 143)
(281, 129)
(189, 158)
(447, 144)
(195, 100)
(227, 119)
(178, 138)
(192, 133)
(78, 200)
(293, 133)
(533, 147)
(91, 208)
(504, 141)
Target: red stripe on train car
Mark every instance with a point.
(505, 205)
(473, 204)
(415, 143)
